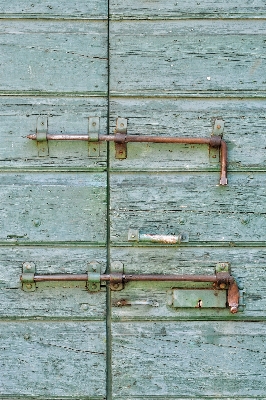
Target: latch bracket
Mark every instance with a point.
(27, 277)
(94, 277)
(94, 131)
(116, 276)
(41, 136)
(217, 131)
(120, 138)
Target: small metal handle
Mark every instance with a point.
(135, 236)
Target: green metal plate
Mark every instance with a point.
(199, 298)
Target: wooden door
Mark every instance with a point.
(176, 67)
(170, 69)
(53, 207)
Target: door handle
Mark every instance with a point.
(120, 138)
(134, 235)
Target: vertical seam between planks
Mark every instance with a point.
(108, 292)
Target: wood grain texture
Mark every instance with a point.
(243, 132)
(53, 207)
(189, 9)
(77, 9)
(18, 117)
(172, 56)
(194, 359)
(66, 301)
(53, 57)
(146, 301)
(173, 203)
(47, 359)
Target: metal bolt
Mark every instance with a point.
(94, 286)
(122, 125)
(133, 236)
(116, 285)
(218, 127)
(42, 123)
(94, 124)
(29, 286)
(28, 266)
(222, 286)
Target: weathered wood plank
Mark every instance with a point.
(173, 203)
(189, 9)
(52, 57)
(194, 359)
(79, 9)
(66, 301)
(172, 56)
(18, 118)
(53, 207)
(150, 300)
(47, 359)
(243, 132)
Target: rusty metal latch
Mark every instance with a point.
(222, 280)
(120, 138)
(134, 235)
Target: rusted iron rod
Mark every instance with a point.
(120, 138)
(130, 278)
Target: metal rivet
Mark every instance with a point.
(122, 125)
(218, 127)
(42, 123)
(94, 286)
(28, 286)
(94, 124)
(222, 286)
(133, 236)
(116, 285)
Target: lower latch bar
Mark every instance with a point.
(117, 281)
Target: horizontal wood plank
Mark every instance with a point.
(194, 359)
(190, 56)
(50, 301)
(18, 117)
(45, 56)
(53, 207)
(174, 203)
(79, 9)
(47, 359)
(150, 300)
(243, 133)
(189, 9)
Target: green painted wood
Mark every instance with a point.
(243, 133)
(172, 56)
(190, 9)
(18, 118)
(193, 203)
(192, 359)
(53, 207)
(67, 301)
(48, 359)
(77, 9)
(149, 301)
(53, 57)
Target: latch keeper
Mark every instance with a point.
(27, 277)
(94, 277)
